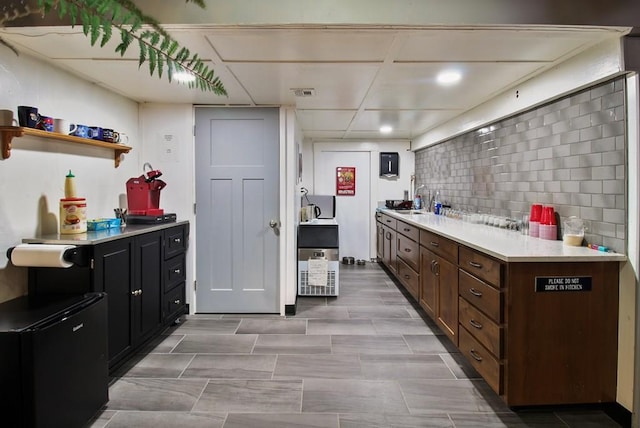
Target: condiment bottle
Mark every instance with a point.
(69, 186)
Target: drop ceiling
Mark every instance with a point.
(362, 77)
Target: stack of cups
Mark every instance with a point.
(534, 220)
(548, 224)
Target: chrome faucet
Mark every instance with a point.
(415, 193)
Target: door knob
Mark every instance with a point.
(273, 224)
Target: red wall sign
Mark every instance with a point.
(345, 181)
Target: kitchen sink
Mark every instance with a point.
(409, 212)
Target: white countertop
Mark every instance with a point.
(506, 245)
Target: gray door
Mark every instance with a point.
(237, 176)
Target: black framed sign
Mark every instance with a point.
(545, 284)
(389, 164)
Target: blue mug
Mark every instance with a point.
(78, 130)
(95, 132)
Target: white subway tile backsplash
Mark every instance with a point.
(569, 153)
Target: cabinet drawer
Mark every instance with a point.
(483, 329)
(481, 295)
(481, 266)
(482, 360)
(409, 278)
(409, 231)
(409, 251)
(389, 221)
(174, 303)
(442, 246)
(174, 272)
(175, 242)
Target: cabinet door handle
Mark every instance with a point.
(475, 355)
(475, 324)
(407, 276)
(177, 301)
(475, 265)
(177, 240)
(434, 244)
(406, 230)
(437, 268)
(176, 271)
(433, 266)
(407, 250)
(136, 292)
(475, 292)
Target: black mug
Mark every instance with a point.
(28, 116)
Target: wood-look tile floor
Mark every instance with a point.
(368, 358)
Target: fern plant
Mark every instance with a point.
(101, 18)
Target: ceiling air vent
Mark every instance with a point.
(304, 92)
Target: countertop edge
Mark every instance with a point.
(96, 237)
(594, 256)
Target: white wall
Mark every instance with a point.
(32, 179)
(167, 135)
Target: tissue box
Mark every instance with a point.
(103, 223)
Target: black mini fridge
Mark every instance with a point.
(53, 360)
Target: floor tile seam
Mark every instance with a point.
(188, 364)
(195, 402)
(453, 373)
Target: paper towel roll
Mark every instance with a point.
(40, 255)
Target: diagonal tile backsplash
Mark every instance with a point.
(570, 154)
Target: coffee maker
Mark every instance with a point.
(143, 198)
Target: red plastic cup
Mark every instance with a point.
(536, 212)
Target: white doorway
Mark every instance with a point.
(353, 213)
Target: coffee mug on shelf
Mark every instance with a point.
(95, 133)
(61, 126)
(7, 119)
(28, 116)
(45, 123)
(122, 138)
(78, 130)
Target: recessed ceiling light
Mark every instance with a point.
(183, 77)
(449, 77)
(386, 129)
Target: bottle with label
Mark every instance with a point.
(73, 210)
(70, 185)
(437, 204)
(417, 202)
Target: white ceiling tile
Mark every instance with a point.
(493, 44)
(413, 86)
(401, 120)
(126, 78)
(291, 45)
(325, 119)
(337, 86)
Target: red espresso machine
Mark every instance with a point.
(143, 198)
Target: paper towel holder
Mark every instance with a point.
(79, 256)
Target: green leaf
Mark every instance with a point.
(166, 41)
(153, 59)
(95, 29)
(155, 38)
(73, 14)
(86, 21)
(170, 69)
(62, 9)
(160, 65)
(172, 48)
(143, 54)
(106, 34)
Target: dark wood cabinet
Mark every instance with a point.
(520, 337)
(147, 285)
(143, 274)
(113, 274)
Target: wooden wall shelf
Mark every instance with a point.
(7, 133)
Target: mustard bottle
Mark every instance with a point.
(69, 186)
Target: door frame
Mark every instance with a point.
(286, 269)
(373, 149)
